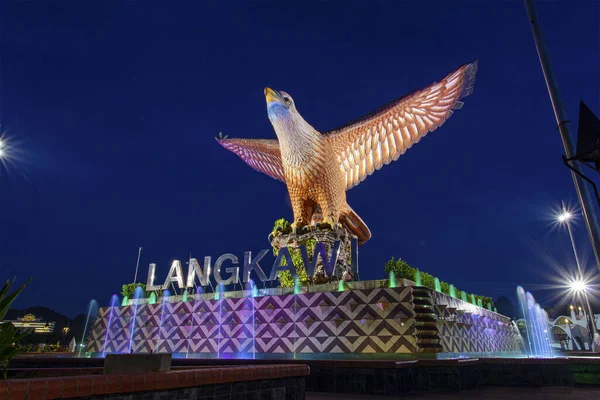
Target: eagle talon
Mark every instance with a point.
(328, 223)
(297, 228)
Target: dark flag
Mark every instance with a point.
(588, 136)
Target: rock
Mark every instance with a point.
(328, 238)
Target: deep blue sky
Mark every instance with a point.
(116, 104)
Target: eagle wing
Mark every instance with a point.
(261, 154)
(365, 145)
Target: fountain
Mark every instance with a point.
(92, 309)
(220, 289)
(452, 291)
(254, 294)
(166, 294)
(137, 295)
(184, 296)
(536, 325)
(392, 279)
(152, 298)
(297, 287)
(463, 296)
(341, 286)
(473, 301)
(436, 282)
(418, 278)
(479, 303)
(191, 332)
(124, 302)
(114, 301)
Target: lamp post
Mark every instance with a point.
(578, 285)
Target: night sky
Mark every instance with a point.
(113, 108)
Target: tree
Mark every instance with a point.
(9, 335)
(129, 289)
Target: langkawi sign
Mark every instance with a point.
(228, 263)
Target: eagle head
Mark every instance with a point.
(279, 104)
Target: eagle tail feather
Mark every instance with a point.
(351, 221)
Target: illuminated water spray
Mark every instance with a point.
(137, 295)
(165, 295)
(92, 313)
(452, 291)
(392, 279)
(254, 294)
(191, 332)
(297, 287)
(218, 297)
(114, 301)
(536, 325)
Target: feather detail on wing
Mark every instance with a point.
(365, 145)
(261, 154)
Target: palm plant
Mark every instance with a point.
(9, 335)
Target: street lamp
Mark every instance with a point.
(578, 285)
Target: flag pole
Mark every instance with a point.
(137, 265)
(583, 193)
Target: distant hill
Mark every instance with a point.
(76, 325)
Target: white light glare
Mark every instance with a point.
(578, 286)
(565, 216)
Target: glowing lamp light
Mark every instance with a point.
(578, 286)
(564, 216)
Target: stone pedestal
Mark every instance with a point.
(328, 238)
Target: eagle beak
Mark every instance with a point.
(273, 96)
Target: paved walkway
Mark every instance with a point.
(490, 393)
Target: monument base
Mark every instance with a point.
(328, 238)
(361, 319)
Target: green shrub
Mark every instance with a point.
(403, 270)
(129, 289)
(285, 278)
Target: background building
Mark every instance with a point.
(29, 321)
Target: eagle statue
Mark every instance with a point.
(319, 167)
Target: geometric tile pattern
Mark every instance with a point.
(358, 321)
(466, 328)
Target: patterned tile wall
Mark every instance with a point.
(466, 328)
(358, 321)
